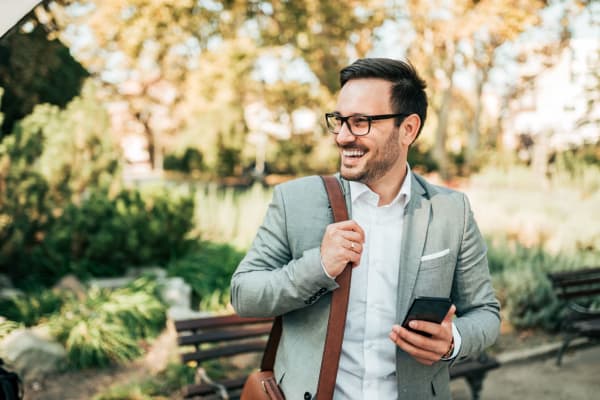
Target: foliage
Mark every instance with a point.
(208, 271)
(105, 235)
(551, 212)
(230, 215)
(159, 386)
(7, 326)
(519, 275)
(75, 151)
(190, 161)
(36, 305)
(61, 208)
(29, 82)
(105, 327)
(46, 164)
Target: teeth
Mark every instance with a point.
(353, 153)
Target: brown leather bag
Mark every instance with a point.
(262, 385)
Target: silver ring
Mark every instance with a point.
(352, 245)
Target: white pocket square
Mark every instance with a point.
(433, 256)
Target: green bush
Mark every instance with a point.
(191, 160)
(208, 271)
(105, 235)
(161, 386)
(30, 308)
(521, 283)
(105, 327)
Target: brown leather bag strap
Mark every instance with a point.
(337, 313)
(268, 360)
(339, 302)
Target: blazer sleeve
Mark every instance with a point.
(478, 310)
(268, 282)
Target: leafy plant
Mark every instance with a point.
(7, 326)
(208, 271)
(30, 308)
(105, 327)
(158, 387)
(519, 275)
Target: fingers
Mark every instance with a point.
(350, 225)
(418, 346)
(426, 350)
(342, 243)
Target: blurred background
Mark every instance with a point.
(140, 140)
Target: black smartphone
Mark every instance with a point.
(431, 309)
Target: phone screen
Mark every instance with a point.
(431, 309)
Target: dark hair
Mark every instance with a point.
(408, 89)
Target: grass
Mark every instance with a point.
(555, 213)
(230, 215)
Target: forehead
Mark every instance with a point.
(365, 96)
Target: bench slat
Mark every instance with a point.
(223, 335)
(571, 294)
(205, 388)
(467, 367)
(216, 322)
(224, 351)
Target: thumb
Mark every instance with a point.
(449, 315)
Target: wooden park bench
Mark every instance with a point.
(578, 288)
(221, 338)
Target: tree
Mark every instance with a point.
(34, 70)
(442, 29)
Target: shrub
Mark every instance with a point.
(30, 308)
(105, 326)
(160, 386)
(208, 271)
(526, 294)
(107, 234)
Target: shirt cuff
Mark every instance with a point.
(331, 277)
(457, 343)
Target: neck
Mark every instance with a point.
(388, 186)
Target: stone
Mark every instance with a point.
(70, 283)
(110, 283)
(5, 282)
(158, 272)
(31, 356)
(182, 313)
(175, 292)
(10, 293)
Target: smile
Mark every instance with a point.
(353, 153)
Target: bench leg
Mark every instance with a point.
(563, 348)
(475, 382)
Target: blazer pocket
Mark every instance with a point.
(435, 260)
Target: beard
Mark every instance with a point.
(383, 160)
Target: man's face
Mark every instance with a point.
(369, 158)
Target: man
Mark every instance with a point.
(406, 238)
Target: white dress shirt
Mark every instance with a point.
(367, 368)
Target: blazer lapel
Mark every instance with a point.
(414, 233)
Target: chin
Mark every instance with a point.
(352, 175)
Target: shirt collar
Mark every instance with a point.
(358, 190)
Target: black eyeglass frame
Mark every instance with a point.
(369, 118)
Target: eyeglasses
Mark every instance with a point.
(359, 125)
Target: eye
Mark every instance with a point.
(359, 121)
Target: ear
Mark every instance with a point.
(410, 128)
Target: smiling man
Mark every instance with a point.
(406, 238)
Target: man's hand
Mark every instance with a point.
(426, 350)
(342, 243)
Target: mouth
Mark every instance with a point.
(351, 156)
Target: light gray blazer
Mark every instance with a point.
(282, 275)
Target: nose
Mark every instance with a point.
(345, 136)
